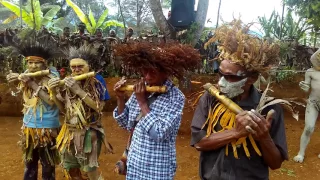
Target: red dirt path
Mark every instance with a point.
(11, 166)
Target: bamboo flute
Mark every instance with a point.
(36, 74)
(80, 77)
(222, 98)
(160, 89)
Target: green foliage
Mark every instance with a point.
(307, 9)
(32, 14)
(188, 36)
(205, 32)
(91, 24)
(166, 4)
(46, 5)
(288, 171)
(291, 28)
(286, 74)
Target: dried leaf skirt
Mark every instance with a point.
(80, 148)
(36, 138)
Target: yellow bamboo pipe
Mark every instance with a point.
(160, 89)
(36, 74)
(222, 98)
(80, 77)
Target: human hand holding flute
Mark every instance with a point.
(12, 77)
(247, 122)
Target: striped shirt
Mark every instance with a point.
(152, 153)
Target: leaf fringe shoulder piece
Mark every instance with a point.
(32, 102)
(219, 113)
(78, 114)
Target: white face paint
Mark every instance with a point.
(231, 89)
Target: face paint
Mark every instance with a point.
(231, 89)
(78, 66)
(34, 66)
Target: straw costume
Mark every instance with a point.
(82, 134)
(41, 119)
(242, 158)
(150, 152)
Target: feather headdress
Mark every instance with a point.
(38, 49)
(85, 52)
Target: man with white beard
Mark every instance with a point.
(239, 146)
(312, 83)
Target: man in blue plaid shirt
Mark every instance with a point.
(154, 118)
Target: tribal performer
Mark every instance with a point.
(82, 134)
(152, 118)
(312, 84)
(41, 114)
(243, 144)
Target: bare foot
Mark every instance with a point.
(298, 158)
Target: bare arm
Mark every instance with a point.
(42, 94)
(121, 104)
(305, 85)
(59, 104)
(88, 100)
(307, 77)
(270, 153)
(216, 140)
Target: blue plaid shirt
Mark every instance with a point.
(152, 153)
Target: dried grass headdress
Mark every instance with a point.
(172, 58)
(236, 44)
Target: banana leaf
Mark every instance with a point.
(92, 20)
(38, 15)
(10, 19)
(50, 15)
(83, 18)
(112, 23)
(102, 18)
(56, 21)
(16, 10)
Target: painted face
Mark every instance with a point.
(34, 66)
(231, 89)
(232, 79)
(78, 66)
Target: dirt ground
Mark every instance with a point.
(11, 165)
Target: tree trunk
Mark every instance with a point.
(281, 24)
(124, 22)
(218, 16)
(160, 19)
(200, 19)
(139, 7)
(315, 39)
